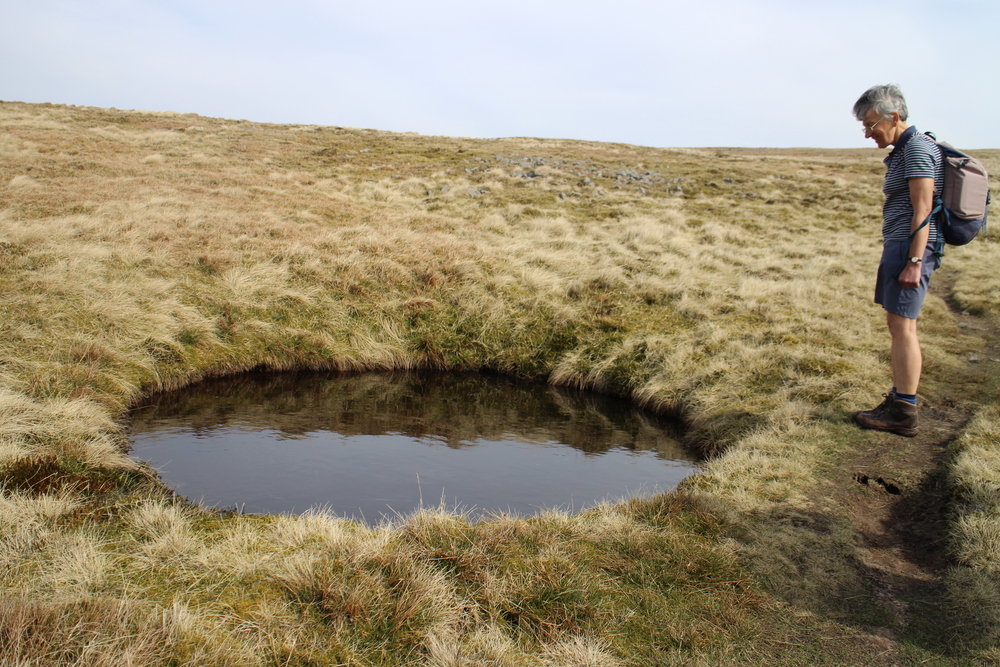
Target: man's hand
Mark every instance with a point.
(910, 276)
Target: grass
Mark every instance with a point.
(729, 288)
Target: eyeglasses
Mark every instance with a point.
(868, 129)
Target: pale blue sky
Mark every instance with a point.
(656, 73)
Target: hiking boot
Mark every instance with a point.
(878, 409)
(892, 415)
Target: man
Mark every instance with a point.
(914, 173)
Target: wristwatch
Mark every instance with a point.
(916, 260)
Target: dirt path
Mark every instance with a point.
(895, 491)
(896, 495)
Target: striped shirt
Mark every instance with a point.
(914, 156)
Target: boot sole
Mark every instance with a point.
(898, 430)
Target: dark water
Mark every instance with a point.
(376, 445)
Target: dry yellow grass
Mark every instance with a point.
(730, 288)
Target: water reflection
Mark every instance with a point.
(371, 445)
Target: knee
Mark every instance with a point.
(901, 327)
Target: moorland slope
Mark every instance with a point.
(729, 288)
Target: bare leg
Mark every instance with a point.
(907, 359)
(894, 414)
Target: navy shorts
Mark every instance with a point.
(903, 301)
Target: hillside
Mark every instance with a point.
(730, 288)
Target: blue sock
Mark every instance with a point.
(909, 398)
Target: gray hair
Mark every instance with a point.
(886, 100)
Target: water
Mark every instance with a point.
(376, 445)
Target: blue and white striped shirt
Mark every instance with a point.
(914, 156)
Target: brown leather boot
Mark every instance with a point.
(878, 409)
(892, 415)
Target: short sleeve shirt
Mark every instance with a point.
(914, 156)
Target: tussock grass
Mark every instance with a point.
(147, 251)
(94, 632)
(974, 581)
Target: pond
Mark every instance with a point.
(379, 445)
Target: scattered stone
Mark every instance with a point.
(727, 180)
(445, 188)
(363, 150)
(974, 358)
(646, 178)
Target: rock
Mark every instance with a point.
(445, 188)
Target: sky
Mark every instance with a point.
(663, 73)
